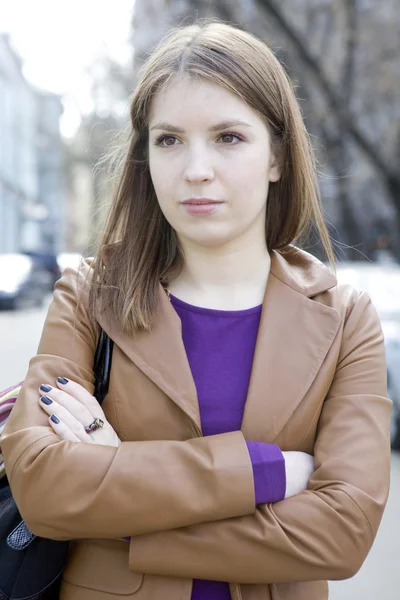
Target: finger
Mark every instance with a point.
(76, 408)
(62, 430)
(53, 408)
(81, 394)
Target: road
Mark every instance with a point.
(380, 575)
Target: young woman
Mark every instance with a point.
(244, 451)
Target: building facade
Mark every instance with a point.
(32, 185)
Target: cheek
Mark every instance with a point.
(251, 181)
(160, 178)
(164, 189)
(164, 170)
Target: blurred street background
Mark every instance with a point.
(67, 70)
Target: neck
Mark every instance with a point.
(232, 276)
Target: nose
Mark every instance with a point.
(199, 167)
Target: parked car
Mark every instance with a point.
(382, 283)
(48, 260)
(23, 281)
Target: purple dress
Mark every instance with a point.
(220, 347)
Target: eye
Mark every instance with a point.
(231, 139)
(165, 140)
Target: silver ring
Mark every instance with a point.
(97, 424)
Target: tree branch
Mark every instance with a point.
(390, 178)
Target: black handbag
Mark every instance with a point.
(30, 566)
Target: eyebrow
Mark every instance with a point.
(216, 127)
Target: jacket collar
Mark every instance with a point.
(302, 272)
(295, 335)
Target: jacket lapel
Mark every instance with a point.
(294, 337)
(161, 356)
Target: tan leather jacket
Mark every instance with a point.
(318, 385)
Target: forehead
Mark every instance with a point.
(194, 99)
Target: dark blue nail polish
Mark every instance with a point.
(62, 380)
(55, 419)
(46, 400)
(45, 388)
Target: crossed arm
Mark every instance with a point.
(324, 532)
(68, 490)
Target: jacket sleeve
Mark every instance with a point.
(67, 490)
(326, 531)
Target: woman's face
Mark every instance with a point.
(210, 162)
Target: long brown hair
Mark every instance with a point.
(139, 247)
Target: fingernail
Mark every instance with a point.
(45, 388)
(55, 419)
(46, 400)
(62, 380)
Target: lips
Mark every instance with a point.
(201, 201)
(201, 206)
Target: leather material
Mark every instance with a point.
(318, 385)
(115, 579)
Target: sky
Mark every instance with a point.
(58, 39)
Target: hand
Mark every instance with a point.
(299, 468)
(71, 408)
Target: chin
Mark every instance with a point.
(208, 234)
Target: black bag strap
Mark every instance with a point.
(102, 366)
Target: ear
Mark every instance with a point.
(275, 166)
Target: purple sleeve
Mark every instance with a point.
(268, 471)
